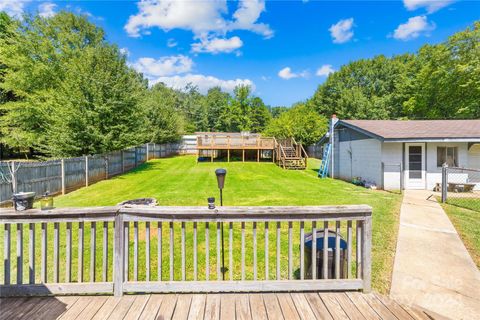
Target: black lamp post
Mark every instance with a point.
(221, 173)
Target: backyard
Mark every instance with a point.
(181, 181)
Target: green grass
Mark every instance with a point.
(470, 203)
(181, 181)
(467, 223)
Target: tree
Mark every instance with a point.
(164, 121)
(301, 122)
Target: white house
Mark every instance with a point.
(392, 153)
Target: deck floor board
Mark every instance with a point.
(338, 305)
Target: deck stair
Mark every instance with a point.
(323, 170)
(291, 155)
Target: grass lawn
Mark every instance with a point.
(180, 181)
(471, 202)
(467, 223)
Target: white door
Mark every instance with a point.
(415, 166)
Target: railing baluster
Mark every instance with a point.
(80, 251)
(219, 273)
(195, 251)
(171, 251)
(31, 253)
(56, 255)
(68, 253)
(183, 252)
(207, 251)
(135, 251)
(147, 251)
(302, 250)
(254, 250)
(105, 252)
(290, 257)
(314, 250)
(325, 250)
(159, 251)
(126, 251)
(266, 250)
(278, 250)
(19, 253)
(359, 250)
(6, 253)
(230, 249)
(337, 250)
(44, 253)
(243, 250)
(93, 238)
(349, 249)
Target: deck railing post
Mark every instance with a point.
(366, 254)
(118, 264)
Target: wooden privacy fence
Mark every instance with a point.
(66, 175)
(178, 249)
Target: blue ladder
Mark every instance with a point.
(323, 170)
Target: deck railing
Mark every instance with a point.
(178, 249)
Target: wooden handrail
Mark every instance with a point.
(189, 222)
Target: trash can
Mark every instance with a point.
(23, 200)
(331, 255)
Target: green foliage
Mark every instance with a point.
(300, 122)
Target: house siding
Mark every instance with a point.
(392, 159)
(357, 156)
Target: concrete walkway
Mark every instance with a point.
(432, 267)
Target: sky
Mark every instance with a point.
(282, 49)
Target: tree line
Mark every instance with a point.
(66, 91)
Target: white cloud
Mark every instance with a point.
(125, 51)
(325, 70)
(429, 5)
(201, 17)
(287, 73)
(202, 82)
(217, 45)
(171, 43)
(164, 66)
(413, 28)
(47, 9)
(13, 8)
(341, 31)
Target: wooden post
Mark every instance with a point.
(366, 254)
(273, 155)
(243, 155)
(106, 167)
(211, 155)
(62, 169)
(258, 155)
(123, 160)
(118, 263)
(14, 177)
(86, 171)
(228, 155)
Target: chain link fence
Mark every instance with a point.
(461, 187)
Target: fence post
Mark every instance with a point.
(444, 182)
(136, 157)
(62, 168)
(366, 254)
(106, 167)
(123, 161)
(14, 177)
(148, 152)
(86, 171)
(118, 264)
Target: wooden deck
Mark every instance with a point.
(351, 305)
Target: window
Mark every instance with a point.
(448, 155)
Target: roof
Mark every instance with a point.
(422, 130)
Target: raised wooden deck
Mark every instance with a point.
(351, 305)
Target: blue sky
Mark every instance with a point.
(284, 49)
